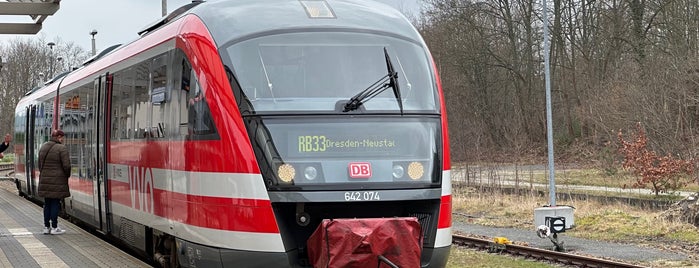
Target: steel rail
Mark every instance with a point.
(6, 166)
(539, 254)
(6, 171)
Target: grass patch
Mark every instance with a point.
(588, 177)
(531, 176)
(621, 226)
(593, 220)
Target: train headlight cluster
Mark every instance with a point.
(310, 173)
(300, 173)
(415, 170)
(286, 173)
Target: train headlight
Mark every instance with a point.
(398, 171)
(318, 9)
(310, 173)
(415, 170)
(286, 173)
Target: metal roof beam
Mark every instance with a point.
(19, 28)
(37, 10)
(28, 8)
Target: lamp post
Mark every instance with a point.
(51, 44)
(59, 60)
(94, 49)
(41, 79)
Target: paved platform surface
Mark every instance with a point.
(22, 243)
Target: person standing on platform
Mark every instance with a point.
(54, 168)
(5, 144)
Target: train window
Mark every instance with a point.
(185, 76)
(141, 106)
(158, 96)
(122, 104)
(44, 119)
(194, 113)
(77, 121)
(200, 123)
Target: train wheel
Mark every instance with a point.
(165, 251)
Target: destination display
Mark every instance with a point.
(304, 143)
(382, 139)
(322, 143)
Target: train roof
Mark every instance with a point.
(234, 20)
(231, 20)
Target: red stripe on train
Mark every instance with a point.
(443, 109)
(445, 212)
(221, 213)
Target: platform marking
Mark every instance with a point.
(42, 254)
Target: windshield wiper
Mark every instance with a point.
(388, 80)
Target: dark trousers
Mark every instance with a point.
(51, 208)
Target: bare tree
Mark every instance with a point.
(28, 63)
(613, 62)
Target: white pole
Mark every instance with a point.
(549, 117)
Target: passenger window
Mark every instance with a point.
(185, 74)
(200, 125)
(122, 103)
(158, 96)
(199, 117)
(141, 101)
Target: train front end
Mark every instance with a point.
(344, 111)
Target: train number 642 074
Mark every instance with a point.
(362, 196)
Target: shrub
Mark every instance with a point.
(662, 173)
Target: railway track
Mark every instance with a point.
(6, 170)
(6, 166)
(538, 254)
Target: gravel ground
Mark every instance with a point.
(615, 251)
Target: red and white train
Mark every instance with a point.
(229, 130)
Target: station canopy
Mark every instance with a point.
(37, 10)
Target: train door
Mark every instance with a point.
(102, 89)
(29, 149)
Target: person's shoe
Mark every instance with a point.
(57, 231)
(47, 230)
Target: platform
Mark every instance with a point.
(22, 243)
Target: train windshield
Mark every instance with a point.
(321, 71)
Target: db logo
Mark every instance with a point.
(361, 170)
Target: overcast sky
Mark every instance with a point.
(118, 21)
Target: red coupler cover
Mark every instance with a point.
(360, 242)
